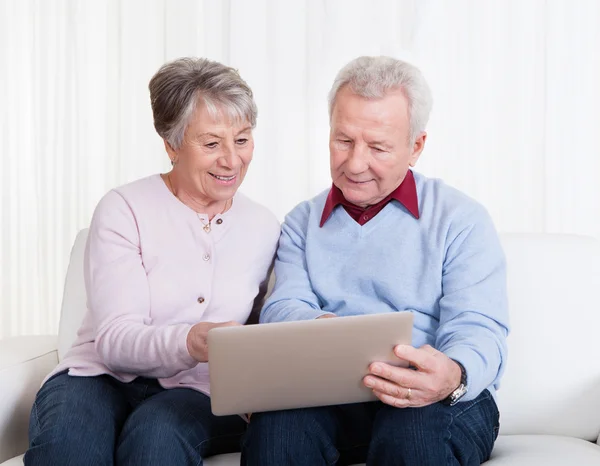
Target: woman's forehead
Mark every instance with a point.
(217, 119)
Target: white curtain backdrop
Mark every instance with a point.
(516, 118)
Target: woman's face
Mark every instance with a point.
(213, 158)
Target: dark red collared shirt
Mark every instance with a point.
(405, 194)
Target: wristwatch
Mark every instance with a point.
(462, 389)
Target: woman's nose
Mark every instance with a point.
(230, 158)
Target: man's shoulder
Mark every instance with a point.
(439, 199)
(309, 210)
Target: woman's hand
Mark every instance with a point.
(197, 343)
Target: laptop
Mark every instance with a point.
(301, 364)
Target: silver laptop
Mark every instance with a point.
(301, 364)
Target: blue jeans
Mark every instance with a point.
(95, 421)
(436, 435)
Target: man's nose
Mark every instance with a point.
(357, 160)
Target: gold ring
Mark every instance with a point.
(408, 394)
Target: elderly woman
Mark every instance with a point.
(168, 258)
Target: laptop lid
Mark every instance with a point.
(301, 364)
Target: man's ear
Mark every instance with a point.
(417, 148)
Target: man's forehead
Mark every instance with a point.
(389, 113)
(367, 130)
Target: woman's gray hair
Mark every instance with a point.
(178, 86)
(373, 77)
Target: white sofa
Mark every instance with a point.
(550, 398)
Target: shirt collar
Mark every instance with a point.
(405, 194)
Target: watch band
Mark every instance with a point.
(460, 391)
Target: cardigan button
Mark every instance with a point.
(200, 300)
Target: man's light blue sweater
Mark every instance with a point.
(447, 267)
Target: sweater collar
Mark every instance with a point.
(405, 194)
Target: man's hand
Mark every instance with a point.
(435, 377)
(197, 344)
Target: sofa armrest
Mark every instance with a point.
(24, 362)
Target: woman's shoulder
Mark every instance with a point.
(130, 198)
(142, 187)
(145, 190)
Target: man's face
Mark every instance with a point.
(369, 145)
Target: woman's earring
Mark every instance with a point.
(172, 162)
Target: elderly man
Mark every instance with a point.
(386, 239)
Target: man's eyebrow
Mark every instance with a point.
(380, 143)
(339, 132)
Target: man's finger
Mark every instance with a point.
(384, 386)
(421, 358)
(392, 401)
(399, 375)
(429, 349)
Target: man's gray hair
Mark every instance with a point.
(373, 77)
(178, 86)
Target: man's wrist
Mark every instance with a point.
(460, 370)
(460, 390)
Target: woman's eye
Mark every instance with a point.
(241, 142)
(212, 145)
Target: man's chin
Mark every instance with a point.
(355, 194)
(356, 200)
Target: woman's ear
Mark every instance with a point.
(171, 152)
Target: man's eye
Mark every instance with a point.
(377, 149)
(345, 141)
(212, 145)
(241, 142)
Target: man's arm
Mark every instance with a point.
(474, 309)
(293, 297)
(473, 325)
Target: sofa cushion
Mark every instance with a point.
(543, 450)
(552, 381)
(74, 303)
(510, 450)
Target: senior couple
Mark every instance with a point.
(171, 256)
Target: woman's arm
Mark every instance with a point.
(119, 299)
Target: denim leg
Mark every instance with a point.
(76, 421)
(294, 437)
(436, 435)
(311, 436)
(176, 426)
